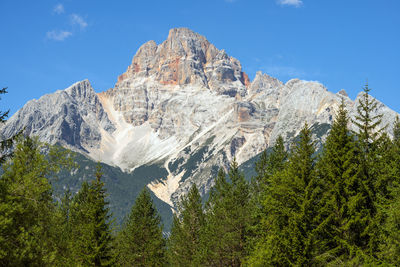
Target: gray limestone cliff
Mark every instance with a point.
(73, 117)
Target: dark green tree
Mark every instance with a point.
(64, 232)
(291, 205)
(141, 241)
(390, 200)
(5, 143)
(228, 216)
(27, 226)
(90, 224)
(390, 247)
(338, 171)
(269, 164)
(187, 227)
(366, 228)
(266, 167)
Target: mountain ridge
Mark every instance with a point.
(184, 105)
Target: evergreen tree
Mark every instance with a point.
(390, 247)
(290, 207)
(184, 241)
(366, 228)
(268, 164)
(227, 220)
(5, 144)
(91, 239)
(27, 233)
(63, 228)
(141, 241)
(390, 202)
(266, 167)
(338, 170)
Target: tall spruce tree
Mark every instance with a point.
(63, 227)
(27, 226)
(141, 241)
(338, 170)
(227, 219)
(91, 239)
(187, 227)
(390, 247)
(268, 164)
(390, 205)
(291, 205)
(266, 167)
(366, 227)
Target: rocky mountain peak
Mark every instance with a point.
(81, 90)
(343, 92)
(180, 34)
(263, 81)
(73, 117)
(187, 58)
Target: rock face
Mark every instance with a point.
(73, 117)
(184, 105)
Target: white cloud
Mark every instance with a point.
(58, 35)
(78, 20)
(58, 9)
(295, 3)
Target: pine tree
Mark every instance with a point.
(290, 207)
(390, 247)
(141, 241)
(366, 228)
(227, 220)
(266, 167)
(91, 239)
(338, 170)
(269, 164)
(5, 144)
(63, 227)
(184, 241)
(390, 202)
(27, 233)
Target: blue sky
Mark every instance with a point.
(47, 45)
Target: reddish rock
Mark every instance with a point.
(188, 58)
(245, 79)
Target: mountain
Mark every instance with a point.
(183, 106)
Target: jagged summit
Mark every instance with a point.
(184, 33)
(187, 58)
(343, 92)
(72, 117)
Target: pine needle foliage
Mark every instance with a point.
(140, 241)
(187, 227)
(5, 143)
(27, 225)
(339, 172)
(290, 208)
(91, 225)
(227, 219)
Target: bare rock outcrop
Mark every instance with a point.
(73, 117)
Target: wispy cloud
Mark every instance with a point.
(78, 20)
(295, 3)
(58, 35)
(58, 9)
